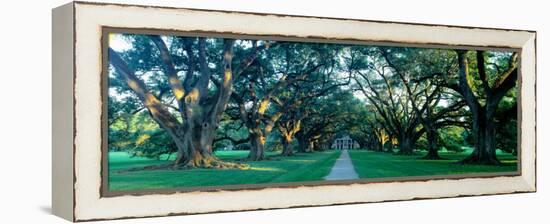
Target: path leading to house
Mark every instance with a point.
(342, 169)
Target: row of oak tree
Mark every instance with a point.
(201, 91)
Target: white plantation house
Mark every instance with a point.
(344, 142)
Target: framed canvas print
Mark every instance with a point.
(168, 111)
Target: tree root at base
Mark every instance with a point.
(211, 164)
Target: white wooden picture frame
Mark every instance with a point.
(77, 110)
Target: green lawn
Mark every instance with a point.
(370, 164)
(302, 167)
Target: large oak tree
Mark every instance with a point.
(199, 105)
(483, 90)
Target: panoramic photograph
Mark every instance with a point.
(204, 111)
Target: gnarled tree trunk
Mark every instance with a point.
(258, 137)
(288, 129)
(253, 119)
(199, 112)
(483, 116)
(381, 139)
(406, 145)
(484, 136)
(431, 135)
(257, 142)
(287, 148)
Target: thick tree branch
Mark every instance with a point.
(464, 86)
(204, 78)
(481, 70)
(170, 71)
(245, 63)
(158, 111)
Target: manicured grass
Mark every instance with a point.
(370, 164)
(301, 167)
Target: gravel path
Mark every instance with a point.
(342, 169)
